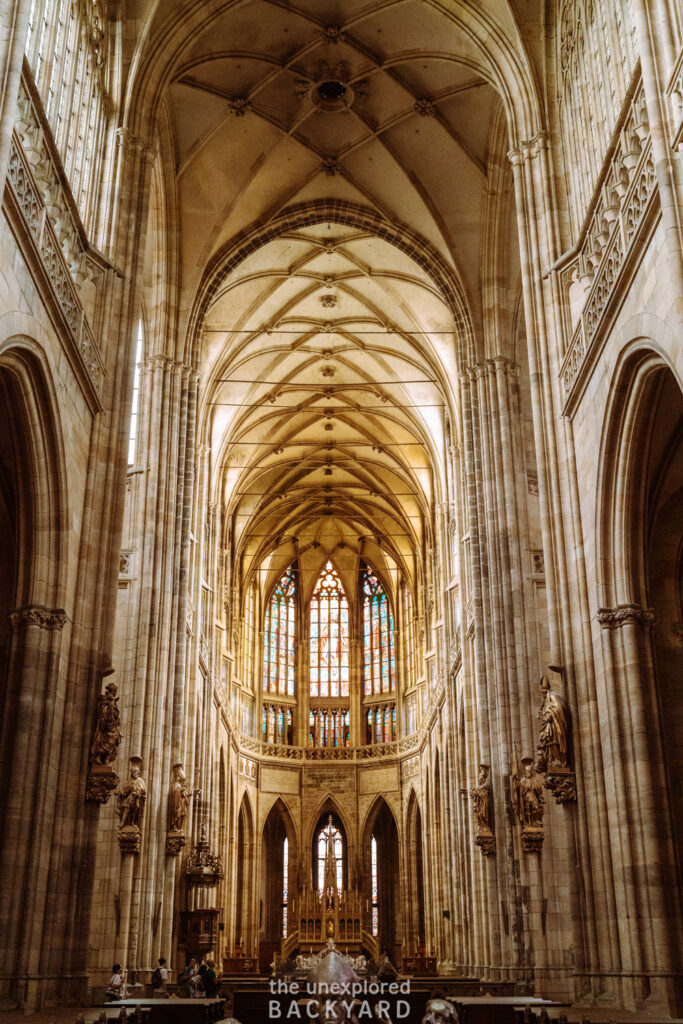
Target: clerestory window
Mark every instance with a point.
(379, 663)
(329, 637)
(280, 637)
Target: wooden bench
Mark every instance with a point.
(176, 1011)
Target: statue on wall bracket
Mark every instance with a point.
(526, 791)
(482, 806)
(178, 805)
(130, 803)
(554, 742)
(102, 780)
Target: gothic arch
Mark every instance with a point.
(30, 398)
(33, 561)
(278, 826)
(415, 918)
(244, 924)
(620, 495)
(639, 542)
(381, 823)
(327, 807)
(347, 214)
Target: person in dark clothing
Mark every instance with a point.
(211, 982)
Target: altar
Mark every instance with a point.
(333, 914)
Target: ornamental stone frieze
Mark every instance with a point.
(52, 233)
(624, 197)
(674, 94)
(102, 780)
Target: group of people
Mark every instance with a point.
(194, 982)
(198, 981)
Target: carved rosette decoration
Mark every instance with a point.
(102, 780)
(554, 743)
(203, 869)
(482, 806)
(130, 804)
(526, 792)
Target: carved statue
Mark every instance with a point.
(481, 799)
(527, 796)
(553, 740)
(131, 798)
(180, 799)
(107, 737)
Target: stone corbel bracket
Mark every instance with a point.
(175, 841)
(101, 783)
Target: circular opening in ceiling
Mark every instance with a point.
(331, 90)
(332, 94)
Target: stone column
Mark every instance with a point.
(13, 30)
(32, 719)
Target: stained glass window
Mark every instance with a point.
(285, 886)
(379, 662)
(277, 724)
(375, 890)
(280, 637)
(381, 724)
(331, 835)
(329, 637)
(329, 727)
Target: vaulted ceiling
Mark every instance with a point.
(330, 167)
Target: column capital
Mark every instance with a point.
(37, 615)
(625, 614)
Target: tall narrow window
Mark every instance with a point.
(280, 637)
(379, 664)
(329, 637)
(330, 851)
(133, 436)
(375, 890)
(285, 886)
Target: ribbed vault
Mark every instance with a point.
(329, 191)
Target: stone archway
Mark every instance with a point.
(640, 553)
(277, 829)
(416, 897)
(380, 825)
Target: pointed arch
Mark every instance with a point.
(244, 922)
(381, 828)
(328, 616)
(279, 636)
(415, 873)
(279, 846)
(639, 565)
(379, 656)
(326, 810)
